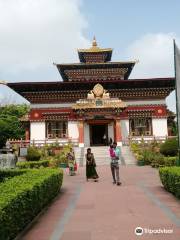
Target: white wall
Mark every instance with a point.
(73, 131)
(124, 128)
(111, 131)
(159, 126)
(37, 131)
(86, 135)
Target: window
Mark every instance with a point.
(140, 126)
(56, 129)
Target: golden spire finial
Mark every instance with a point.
(94, 43)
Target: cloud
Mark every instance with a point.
(156, 58)
(36, 33)
(155, 55)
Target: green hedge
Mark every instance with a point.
(33, 154)
(169, 147)
(164, 161)
(170, 178)
(7, 173)
(170, 161)
(33, 164)
(23, 197)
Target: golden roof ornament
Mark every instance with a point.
(99, 98)
(94, 43)
(98, 90)
(95, 48)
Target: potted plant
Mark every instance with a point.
(61, 160)
(140, 160)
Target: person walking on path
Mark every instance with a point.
(115, 156)
(91, 166)
(71, 162)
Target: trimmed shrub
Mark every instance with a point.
(33, 154)
(170, 178)
(170, 161)
(6, 173)
(158, 160)
(24, 196)
(169, 147)
(33, 164)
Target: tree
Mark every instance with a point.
(10, 125)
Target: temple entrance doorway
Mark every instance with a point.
(98, 134)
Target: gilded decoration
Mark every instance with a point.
(95, 48)
(99, 98)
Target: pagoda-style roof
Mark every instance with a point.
(95, 54)
(22, 87)
(70, 91)
(95, 65)
(95, 71)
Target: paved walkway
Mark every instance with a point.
(103, 211)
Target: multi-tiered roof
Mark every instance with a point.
(95, 67)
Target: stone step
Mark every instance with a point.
(101, 154)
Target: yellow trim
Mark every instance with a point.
(95, 49)
(96, 63)
(3, 82)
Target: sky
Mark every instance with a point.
(36, 33)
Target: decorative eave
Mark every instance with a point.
(124, 66)
(55, 115)
(50, 114)
(100, 104)
(94, 50)
(153, 111)
(105, 53)
(54, 92)
(97, 102)
(22, 87)
(140, 113)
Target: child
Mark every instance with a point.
(112, 152)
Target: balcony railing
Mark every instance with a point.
(146, 139)
(41, 143)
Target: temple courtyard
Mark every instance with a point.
(103, 211)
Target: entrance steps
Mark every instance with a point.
(101, 154)
(79, 155)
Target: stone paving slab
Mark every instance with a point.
(103, 211)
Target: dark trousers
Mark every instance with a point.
(115, 172)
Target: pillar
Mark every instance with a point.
(81, 133)
(27, 134)
(117, 132)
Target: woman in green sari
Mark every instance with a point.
(91, 166)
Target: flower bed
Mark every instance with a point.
(23, 197)
(151, 154)
(170, 178)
